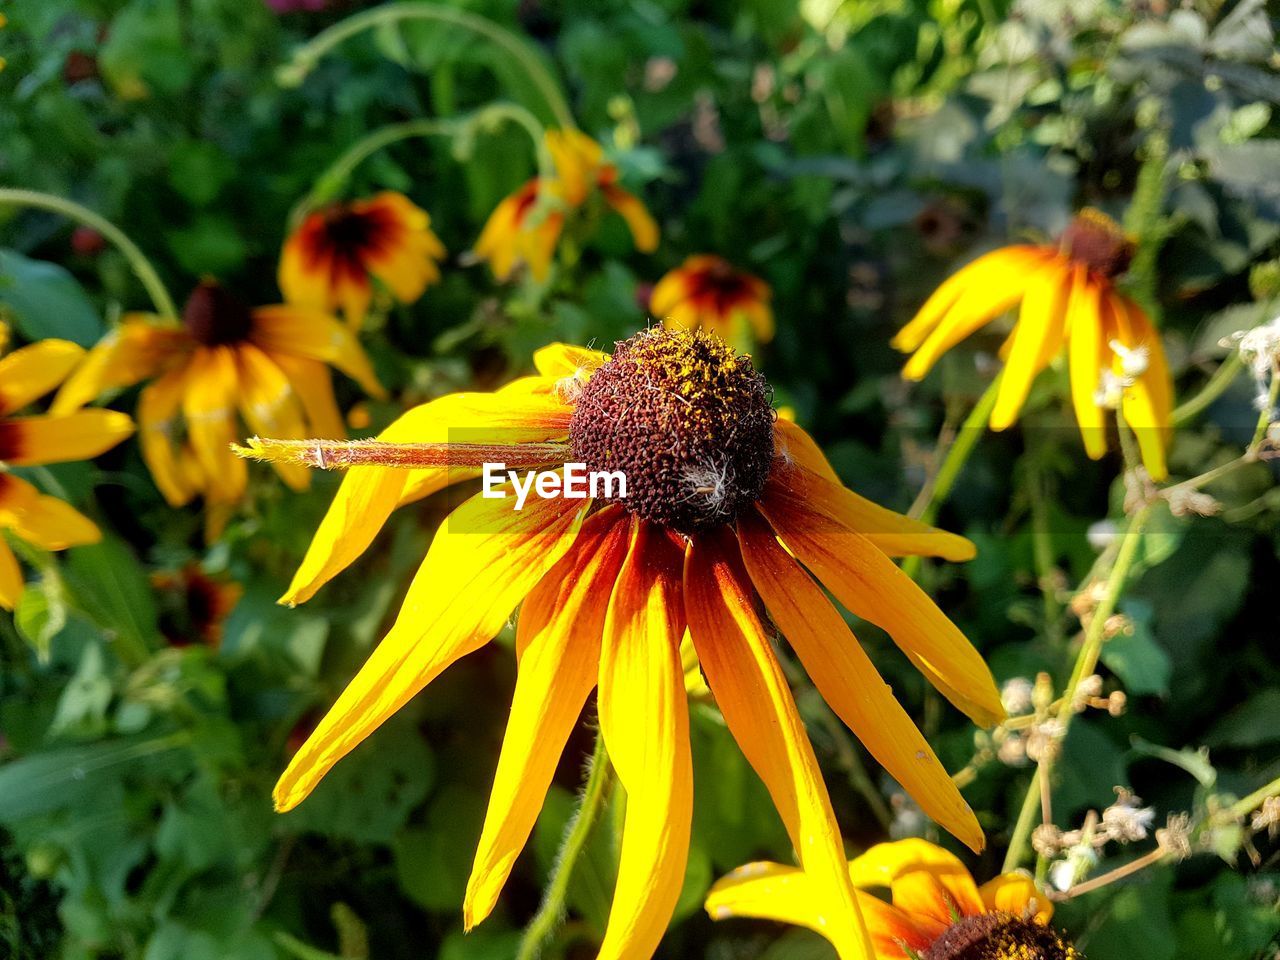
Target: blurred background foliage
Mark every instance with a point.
(852, 155)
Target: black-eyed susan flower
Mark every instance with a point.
(938, 911)
(268, 364)
(194, 605)
(332, 260)
(1068, 298)
(526, 226)
(728, 511)
(706, 292)
(28, 441)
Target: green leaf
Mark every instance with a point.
(1142, 665)
(1195, 762)
(213, 245)
(40, 615)
(106, 581)
(47, 301)
(1253, 723)
(145, 51)
(481, 944)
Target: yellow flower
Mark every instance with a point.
(330, 260)
(707, 292)
(268, 363)
(25, 376)
(938, 911)
(1068, 297)
(526, 226)
(727, 511)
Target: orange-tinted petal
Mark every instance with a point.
(315, 335)
(208, 407)
(870, 585)
(1037, 338)
(271, 408)
(1088, 356)
(173, 467)
(849, 682)
(641, 676)
(12, 582)
(46, 521)
(928, 883)
(1016, 893)
(558, 640)
(135, 350)
(82, 435)
(752, 693)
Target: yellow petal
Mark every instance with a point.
(40, 519)
(752, 693)
(1087, 357)
(849, 682)
(368, 495)
(31, 372)
(644, 229)
(895, 534)
(872, 587)
(984, 273)
(12, 582)
(1014, 893)
(984, 299)
(641, 677)
(307, 332)
(559, 642)
(1148, 403)
(137, 349)
(271, 408)
(313, 383)
(174, 470)
(577, 158)
(560, 360)
(926, 880)
(484, 560)
(208, 407)
(1037, 337)
(772, 891)
(32, 441)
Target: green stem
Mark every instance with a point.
(544, 923)
(330, 183)
(1217, 385)
(1264, 417)
(933, 496)
(311, 53)
(1255, 799)
(1086, 663)
(142, 267)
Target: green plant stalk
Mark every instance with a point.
(330, 183)
(311, 53)
(138, 261)
(1252, 801)
(926, 508)
(1216, 386)
(550, 912)
(1264, 417)
(1086, 663)
(1143, 219)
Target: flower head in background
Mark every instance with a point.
(706, 292)
(728, 511)
(526, 226)
(29, 441)
(332, 260)
(269, 365)
(194, 605)
(938, 911)
(1068, 298)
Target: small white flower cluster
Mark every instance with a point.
(1134, 362)
(1260, 350)
(1076, 852)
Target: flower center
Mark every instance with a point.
(1000, 936)
(1098, 242)
(688, 421)
(350, 233)
(214, 317)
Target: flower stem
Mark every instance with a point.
(311, 53)
(935, 493)
(1268, 410)
(577, 832)
(1217, 385)
(329, 184)
(142, 267)
(1255, 799)
(1086, 663)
